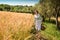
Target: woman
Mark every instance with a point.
(38, 21)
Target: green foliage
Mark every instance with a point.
(17, 8)
(33, 30)
(5, 7)
(51, 32)
(48, 8)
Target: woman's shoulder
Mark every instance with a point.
(35, 15)
(38, 14)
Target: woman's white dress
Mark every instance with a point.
(38, 22)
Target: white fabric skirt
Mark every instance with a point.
(38, 24)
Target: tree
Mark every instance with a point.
(43, 9)
(17, 8)
(55, 4)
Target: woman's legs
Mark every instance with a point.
(38, 29)
(38, 25)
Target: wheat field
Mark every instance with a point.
(14, 26)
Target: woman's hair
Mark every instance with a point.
(35, 11)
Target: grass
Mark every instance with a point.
(51, 32)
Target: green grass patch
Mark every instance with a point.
(51, 31)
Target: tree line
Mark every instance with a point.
(17, 8)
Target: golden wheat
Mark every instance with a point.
(11, 23)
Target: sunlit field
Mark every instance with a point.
(15, 26)
(55, 18)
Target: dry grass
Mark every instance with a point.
(55, 18)
(11, 23)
